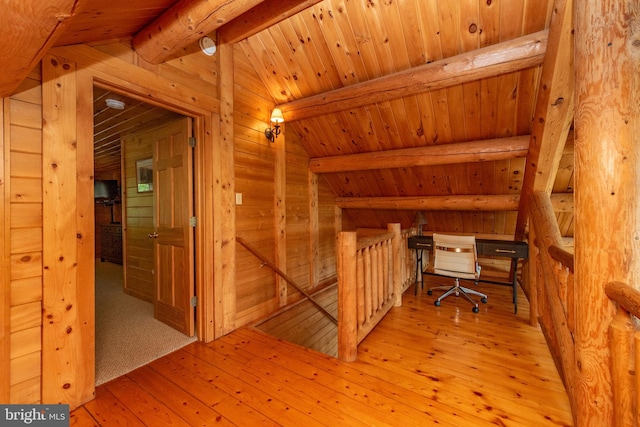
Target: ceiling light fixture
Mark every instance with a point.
(208, 46)
(277, 118)
(115, 104)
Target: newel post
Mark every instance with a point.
(397, 261)
(347, 302)
(607, 212)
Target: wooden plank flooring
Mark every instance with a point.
(422, 365)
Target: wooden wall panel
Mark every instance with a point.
(327, 268)
(138, 223)
(299, 262)
(23, 252)
(257, 292)
(257, 220)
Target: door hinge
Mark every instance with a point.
(192, 141)
(193, 221)
(194, 301)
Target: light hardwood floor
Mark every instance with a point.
(421, 366)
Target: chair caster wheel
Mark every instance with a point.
(484, 300)
(436, 303)
(475, 309)
(429, 292)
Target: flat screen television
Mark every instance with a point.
(106, 190)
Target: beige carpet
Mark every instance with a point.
(127, 335)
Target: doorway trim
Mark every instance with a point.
(69, 74)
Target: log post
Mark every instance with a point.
(396, 229)
(347, 304)
(607, 241)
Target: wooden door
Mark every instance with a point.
(173, 235)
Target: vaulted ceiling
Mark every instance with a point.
(403, 105)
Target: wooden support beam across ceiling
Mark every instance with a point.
(484, 202)
(463, 152)
(513, 55)
(560, 202)
(184, 23)
(187, 21)
(261, 17)
(28, 30)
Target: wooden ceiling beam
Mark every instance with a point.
(513, 55)
(29, 29)
(553, 114)
(261, 17)
(484, 202)
(184, 23)
(442, 154)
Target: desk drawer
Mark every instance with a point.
(421, 242)
(510, 250)
(423, 245)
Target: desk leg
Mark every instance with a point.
(419, 269)
(514, 268)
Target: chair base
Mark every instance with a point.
(458, 290)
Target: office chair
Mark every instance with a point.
(456, 256)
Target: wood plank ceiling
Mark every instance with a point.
(308, 51)
(339, 44)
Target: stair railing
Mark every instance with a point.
(369, 284)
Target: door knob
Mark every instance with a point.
(153, 235)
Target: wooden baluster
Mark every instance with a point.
(360, 288)
(373, 251)
(381, 268)
(620, 332)
(368, 298)
(386, 259)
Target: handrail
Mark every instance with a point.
(284, 276)
(562, 256)
(363, 242)
(625, 296)
(542, 212)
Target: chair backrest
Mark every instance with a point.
(456, 256)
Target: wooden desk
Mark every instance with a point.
(500, 248)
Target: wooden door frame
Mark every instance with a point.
(80, 68)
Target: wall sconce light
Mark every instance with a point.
(277, 118)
